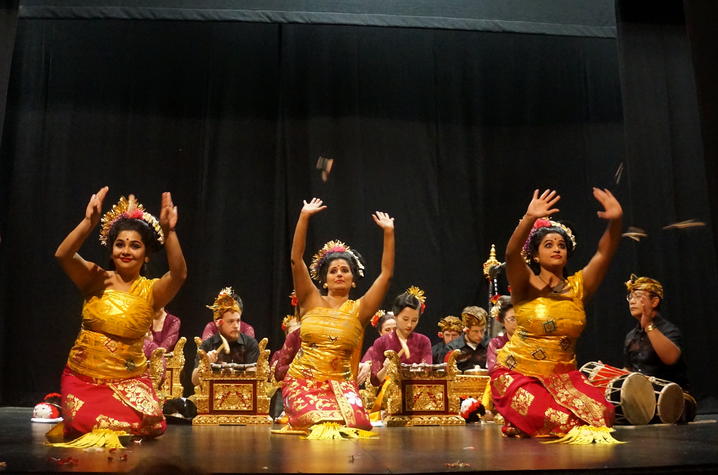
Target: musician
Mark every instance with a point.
(451, 327)
(654, 346)
(471, 343)
(229, 345)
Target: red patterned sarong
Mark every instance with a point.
(308, 402)
(129, 405)
(549, 406)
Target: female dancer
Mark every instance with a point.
(105, 385)
(535, 384)
(320, 391)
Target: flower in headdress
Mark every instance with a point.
(495, 298)
(419, 294)
(329, 248)
(377, 316)
(544, 223)
(128, 209)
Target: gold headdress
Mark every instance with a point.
(223, 302)
(330, 248)
(419, 294)
(129, 209)
(644, 283)
(450, 323)
(544, 223)
(473, 316)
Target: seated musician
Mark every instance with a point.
(471, 344)
(653, 346)
(385, 323)
(411, 347)
(229, 345)
(163, 333)
(212, 328)
(503, 312)
(451, 327)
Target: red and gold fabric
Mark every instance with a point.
(535, 384)
(105, 383)
(549, 406)
(308, 402)
(129, 405)
(320, 385)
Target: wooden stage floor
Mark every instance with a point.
(252, 449)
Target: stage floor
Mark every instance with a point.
(252, 449)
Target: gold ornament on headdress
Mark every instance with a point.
(287, 320)
(223, 302)
(417, 292)
(644, 283)
(473, 316)
(544, 223)
(450, 323)
(330, 248)
(129, 209)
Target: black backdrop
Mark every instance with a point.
(449, 131)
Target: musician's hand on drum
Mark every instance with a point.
(212, 356)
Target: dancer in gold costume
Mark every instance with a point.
(535, 384)
(320, 391)
(105, 385)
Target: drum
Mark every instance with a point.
(631, 394)
(669, 400)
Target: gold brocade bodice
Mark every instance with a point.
(544, 342)
(109, 345)
(330, 339)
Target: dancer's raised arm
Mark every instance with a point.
(596, 269)
(375, 295)
(307, 294)
(170, 283)
(517, 271)
(84, 274)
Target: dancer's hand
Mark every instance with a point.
(94, 207)
(543, 205)
(168, 213)
(313, 207)
(611, 207)
(383, 220)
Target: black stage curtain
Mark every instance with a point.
(558, 17)
(8, 28)
(449, 131)
(667, 169)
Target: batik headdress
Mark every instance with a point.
(544, 223)
(473, 316)
(644, 283)
(326, 251)
(224, 302)
(129, 209)
(419, 294)
(450, 323)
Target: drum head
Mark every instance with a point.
(638, 400)
(670, 403)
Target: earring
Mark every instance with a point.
(325, 285)
(354, 284)
(535, 259)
